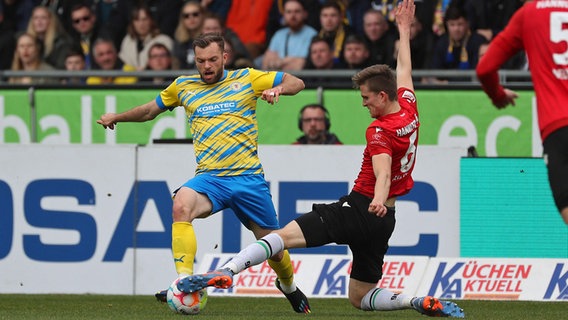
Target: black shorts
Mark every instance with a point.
(556, 155)
(348, 221)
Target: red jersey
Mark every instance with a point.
(541, 29)
(397, 135)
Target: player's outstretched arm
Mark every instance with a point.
(145, 112)
(404, 18)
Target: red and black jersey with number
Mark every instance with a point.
(395, 134)
(541, 29)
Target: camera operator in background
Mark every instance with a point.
(314, 123)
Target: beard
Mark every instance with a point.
(212, 77)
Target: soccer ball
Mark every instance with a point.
(186, 303)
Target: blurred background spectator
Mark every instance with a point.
(7, 41)
(74, 61)
(315, 123)
(458, 48)
(212, 23)
(84, 31)
(142, 32)
(159, 59)
(106, 57)
(356, 53)
(218, 7)
(27, 57)
(189, 27)
(234, 60)
(289, 46)
(333, 27)
(321, 56)
(249, 19)
(45, 26)
(381, 38)
(165, 14)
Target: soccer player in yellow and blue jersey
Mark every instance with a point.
(221, 110)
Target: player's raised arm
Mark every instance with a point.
(290, 86)
(404, 19)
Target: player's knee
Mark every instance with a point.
(181, 212)
(355, 301)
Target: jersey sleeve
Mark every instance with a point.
(378, 141)
(168, 98)
(407, 96)
(505, 45)
(262, 80)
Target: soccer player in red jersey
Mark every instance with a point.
(365, 218)
(541, 29)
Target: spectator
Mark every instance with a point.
(233, 61)
(489, 17)
(159, 59)
(27, 57)
(276, 16)
(321, 55)
(62, 9)
(333, 30)
(314, 122)
(189, 27)
(106, 57)
(165, 14)
(249, 19)
(438, 23)
(141, 34)
(112, 18)
(354, 11)
(458, 48)
(7, 41)
(356, 53)
(386, 8)
(289, 46)
(421, 44)
(212, 23)
(74, 61)
(17, 14)
(381, 38)
(45, 26)
(220, 8)
(84, 31)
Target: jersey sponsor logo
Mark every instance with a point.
(215, 108)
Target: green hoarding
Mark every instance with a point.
(448, 118)
(507, 210)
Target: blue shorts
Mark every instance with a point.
(247, 195)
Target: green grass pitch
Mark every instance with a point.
(75, 307)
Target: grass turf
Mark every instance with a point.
(53, 306)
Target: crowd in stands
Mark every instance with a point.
(269, 34)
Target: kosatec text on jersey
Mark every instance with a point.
(216, 108)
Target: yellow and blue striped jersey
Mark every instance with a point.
(222, 118)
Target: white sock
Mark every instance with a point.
(380, 299)
(256, 253)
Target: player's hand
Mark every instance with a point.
(271, 95)
(509, 99)
(107, 120)
(404, 12)
(377, 208)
